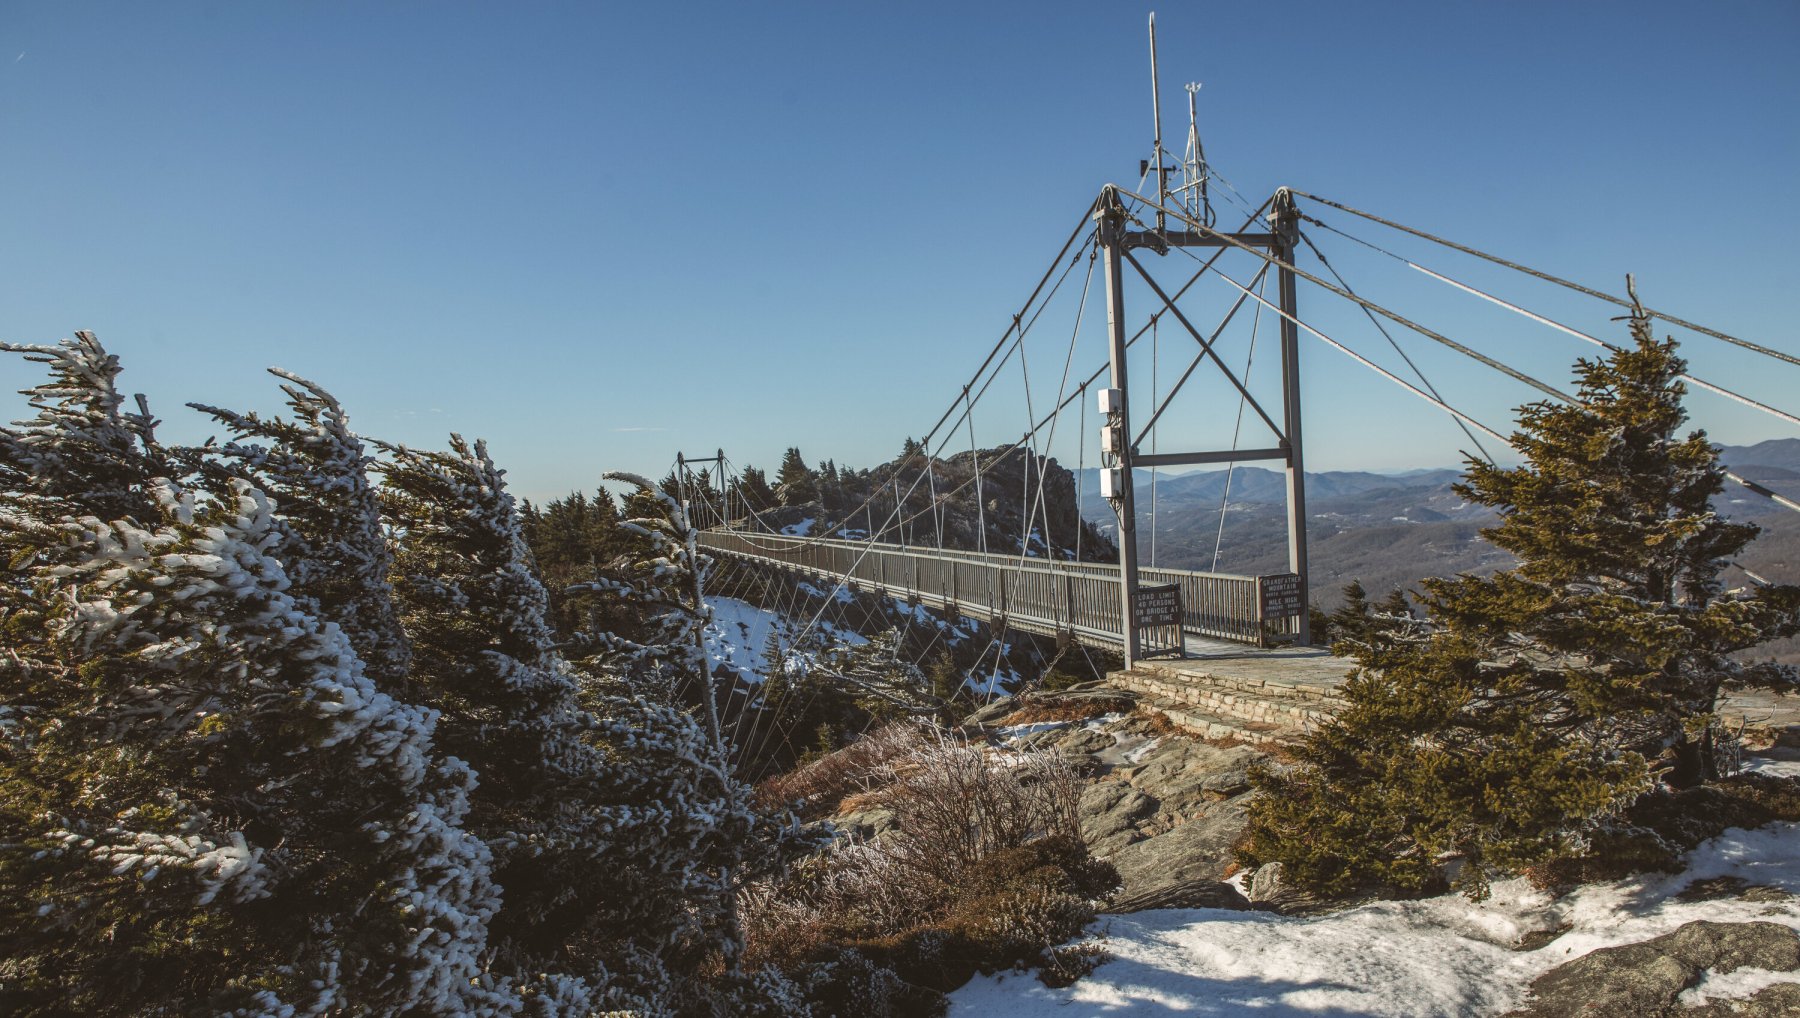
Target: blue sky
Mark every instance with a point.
(597, 233)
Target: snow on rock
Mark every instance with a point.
(954, 631)
(1745, 982)
(738, 637)
(1012, 733)
(801, 529)
(1443, 955)
(997, 684)
(738, 634)
(840, 593)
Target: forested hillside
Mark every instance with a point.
(1007, 501)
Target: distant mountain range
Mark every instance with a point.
(1389, 530)
(1774, 464)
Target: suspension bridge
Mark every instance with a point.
(1127, 607)
(1142, 611)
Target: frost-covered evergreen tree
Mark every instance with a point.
(205, 804)
(316, 469)
(83, 447)
(613, 818)
(1537, 704)
(660, 578)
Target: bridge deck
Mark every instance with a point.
(1079, 600)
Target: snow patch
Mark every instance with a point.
(1010, 733)
(738, 637)
(1443, 955)
(841, 594)
(1773, 767)
(999, 683)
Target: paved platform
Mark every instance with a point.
(1235, 681)
(1767, 718)
(1305, 668)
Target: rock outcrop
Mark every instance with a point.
(1165, 808)
(1645, 980)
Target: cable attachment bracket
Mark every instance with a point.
(1284, 215)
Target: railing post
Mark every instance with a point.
(1256, 615)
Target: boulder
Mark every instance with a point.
(1185, 894)
(1083, 741)
(993, 712)
(1186, 773)
(1199, 849)
(1644, 980)
(866, 824)
(1110, 814)
(1270, 891)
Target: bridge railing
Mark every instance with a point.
(1078, 598)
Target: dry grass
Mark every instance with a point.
(1035, 709)
(1156, 723)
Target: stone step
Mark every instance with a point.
(1253, 704)
(1203, 725)
(1160, 675)
(1281, 711)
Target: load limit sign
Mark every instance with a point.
(1156, 606)
(1280, 595)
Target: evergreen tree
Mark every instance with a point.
(316, 469)
(571, 541)
(1539, 703)
(795, 482)
(753, 486)
(205, 802)
(830, 486)
(83, 448)
(609, 814)
(1359, 622)
(737, 843)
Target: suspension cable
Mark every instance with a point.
(1565, 329)
(1548, 278)
(1392, 316)
(1360, 359)
(1080, 226)
(1238, 427)
(1426, 382)
(1542, 387)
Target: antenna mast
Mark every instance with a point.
(1194, 171)
(1162, 175)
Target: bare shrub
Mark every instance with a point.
(814, 789)
(1064, 965)
(958, 806)
(985, 868)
